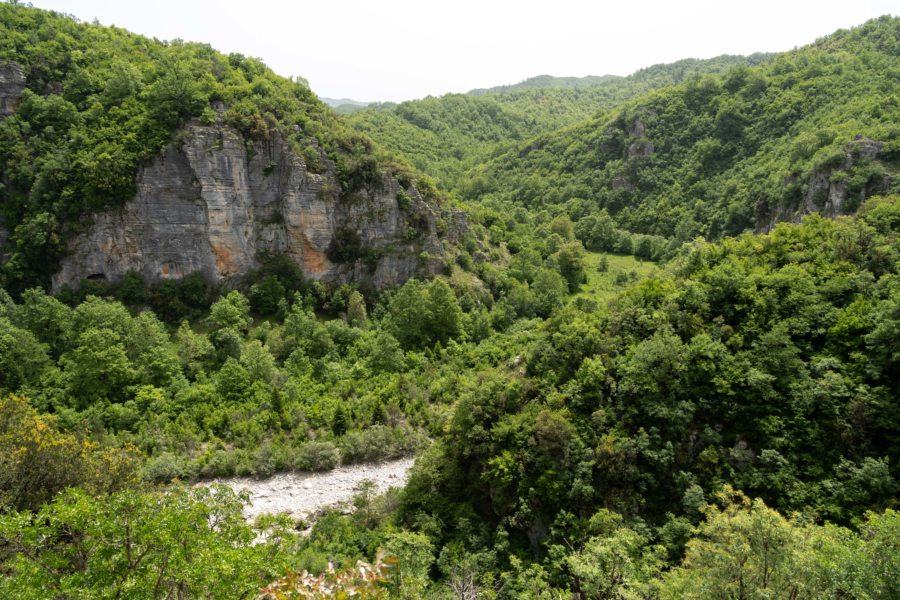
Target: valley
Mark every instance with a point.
(604, 337)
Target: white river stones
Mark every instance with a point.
(301, 495)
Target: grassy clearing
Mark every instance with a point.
(621, 271)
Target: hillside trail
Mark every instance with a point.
(302, 495)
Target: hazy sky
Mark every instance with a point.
(403, 49)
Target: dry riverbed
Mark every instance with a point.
(306, 494)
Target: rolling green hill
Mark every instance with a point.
(601, 403)
(815, 129)
(545, 81)
(449, 135)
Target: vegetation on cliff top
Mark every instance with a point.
(100, 101)
(590, 425)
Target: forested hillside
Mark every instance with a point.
(739, 143)
(614, 389)
(99, 103)
(814, 129)
(546, 81)
(448, 136)
(610, 436)
(765, 362)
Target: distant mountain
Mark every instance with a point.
(335, 102)
(675, 71)
(546, 81)
(344, 105)
(448, 135)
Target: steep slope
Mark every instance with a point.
(447, 136)
(123, 153)
(815, 129)
(764, 362)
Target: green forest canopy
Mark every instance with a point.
(737, 144)
(719, 155)
(721, 425)
(448, 136)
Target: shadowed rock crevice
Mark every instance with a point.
(12, 85)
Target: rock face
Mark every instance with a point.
(641, 146)
(212, 204)
(12, 84)
(827, 194)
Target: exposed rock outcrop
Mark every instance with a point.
(827, 191)
(641, 145)
(12, 84)
(4, 235)
(211, 204)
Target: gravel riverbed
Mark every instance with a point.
(301, 495)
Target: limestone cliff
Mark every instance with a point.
(212, 203)
(12, 84)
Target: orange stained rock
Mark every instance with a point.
(314, 260)
(225, 264)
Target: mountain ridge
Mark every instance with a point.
(785, 136)
(685, 64)
(544, 81)
(446, 135)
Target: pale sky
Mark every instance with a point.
(403, 49)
